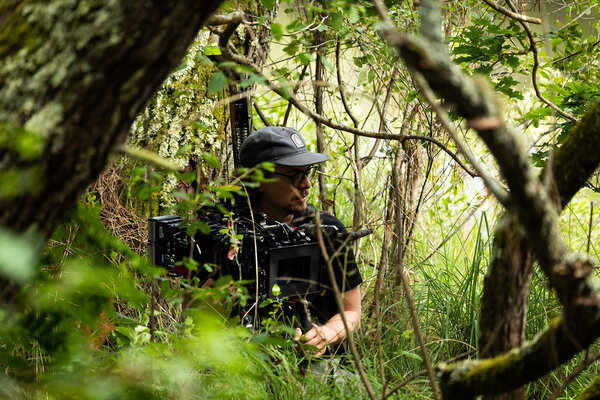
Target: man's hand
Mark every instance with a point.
(333, 332)
(318, 336)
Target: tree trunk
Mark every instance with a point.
(73, 76)
(506, 294)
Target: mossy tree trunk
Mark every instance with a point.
(73, 76)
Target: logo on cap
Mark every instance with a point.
(297, 140)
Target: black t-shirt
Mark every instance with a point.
(346, 272)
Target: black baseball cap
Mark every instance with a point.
(279, 145)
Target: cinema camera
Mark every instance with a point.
(281, 262)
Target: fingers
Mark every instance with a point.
(315, 337)
(297, 335)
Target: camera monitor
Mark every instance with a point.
(295, 269)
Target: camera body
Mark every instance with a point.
(278, 260)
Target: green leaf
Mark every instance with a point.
(276, 31)
(336, 21)
(362, 78)
(411, 96)
(276, 290)
(182, 150)
(217, 82)
(212, 50)
(269, 4)
(372, 75)
(327, 64)
(304, 58)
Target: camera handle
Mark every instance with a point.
(301, 313)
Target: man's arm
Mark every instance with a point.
(333, 332)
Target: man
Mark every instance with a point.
(284, 199)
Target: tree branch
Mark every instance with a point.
(261, 114)
(235, 17)
(511, 14)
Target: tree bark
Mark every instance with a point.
(73, 76)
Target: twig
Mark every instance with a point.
(445, 149)
(338, 301)
(417, 332)
(235, 17)
(511, 14)
(289, 106)
(563, 58)
(423, 372)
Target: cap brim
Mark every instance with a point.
(302, 159)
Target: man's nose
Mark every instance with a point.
(305, 183)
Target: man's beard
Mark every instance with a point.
(296, 208)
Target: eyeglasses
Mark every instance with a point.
(298, 178)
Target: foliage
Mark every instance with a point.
(97, 321)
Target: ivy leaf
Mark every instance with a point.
(217, 82)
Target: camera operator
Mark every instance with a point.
(284, 199)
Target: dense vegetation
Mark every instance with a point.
(83, 313)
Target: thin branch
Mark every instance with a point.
(445, 149)
(261, 114)
(424, 371)
(289, 106)
(511, 14)
(576, 18)
(341, 86)
(572, 54)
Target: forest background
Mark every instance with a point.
(112, 112)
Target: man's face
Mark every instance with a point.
(280, 199)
